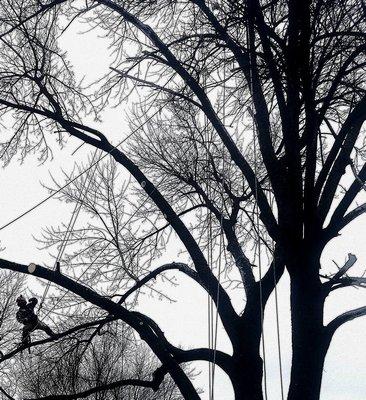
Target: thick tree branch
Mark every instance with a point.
(6, 394)
(341, 280)
(241, 260)
(223, 360)
(145, 82)
(218, 357)
(342, 271)
(335, 279)
(273, 275)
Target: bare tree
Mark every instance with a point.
(203, 70)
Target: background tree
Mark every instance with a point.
(203, 71)
(91, 365)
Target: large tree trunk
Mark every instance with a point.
(247, 371)
(247, 377)
(309, 343)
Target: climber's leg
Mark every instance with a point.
(45, 328)
(26, 338)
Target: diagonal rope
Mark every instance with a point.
(83, 192)
(73, 180)
(134, 131)
(101, 251)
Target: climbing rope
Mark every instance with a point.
(210, 305)
(59, 190)
(101, 251)
(279, 350)
(251, 50)
(278, 329)
(82, 195)
(32, 266)
(221, 235)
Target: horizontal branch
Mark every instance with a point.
(350, 281)
(153, 384)
(223, 360)
(56, 337)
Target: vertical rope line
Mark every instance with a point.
(278, 322)
(260, 267)
(209, 239)
(211, 305)
(278, 329)
(221, 241)
(209, 236)
(210, 301)
(250, 42)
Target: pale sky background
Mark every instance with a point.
(185, 322)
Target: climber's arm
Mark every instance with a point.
(32, 302)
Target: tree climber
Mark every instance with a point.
(26, 316)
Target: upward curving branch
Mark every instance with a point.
(344, 318)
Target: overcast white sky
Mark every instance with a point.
(185, 322)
